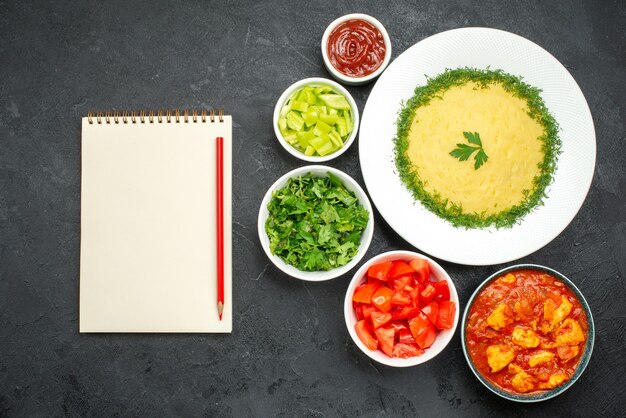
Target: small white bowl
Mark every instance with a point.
(366, 236)
(444, 336)
(317, 81)
(355, 81)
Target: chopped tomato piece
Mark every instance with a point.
(442, 291)
(379, 318)
(379, 271)
(364, 293)
(405, 336)
(365, 335)
(401, 299)
(399, 326)
(405, 313)
(423, 330)
(382, 298)
(422, 269)
(419, 278)
(403, 350)
(431, 310)
(429, 338)
(401, 282)
(385, 339)
(415, 295)
(400, 268)
(358, 310)
(367, 310)
(428, 293)
(373, 281)
(445, 318)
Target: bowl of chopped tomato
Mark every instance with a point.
(527, 333)
(401, 308)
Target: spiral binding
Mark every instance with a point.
(160, 116)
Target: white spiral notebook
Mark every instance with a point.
(148, 222)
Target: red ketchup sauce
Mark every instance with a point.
(356, 48)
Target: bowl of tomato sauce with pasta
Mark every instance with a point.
(356, 48)
(527, 333)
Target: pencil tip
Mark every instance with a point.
(220, 309)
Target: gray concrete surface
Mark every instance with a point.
(290, 353)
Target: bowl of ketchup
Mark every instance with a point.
(356, 48)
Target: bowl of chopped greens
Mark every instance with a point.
(316, 119)
(315, 223)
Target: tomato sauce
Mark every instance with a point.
(526, 332)
(356, 48)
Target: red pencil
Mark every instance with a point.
(220, 225)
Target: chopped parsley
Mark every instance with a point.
(315, 223)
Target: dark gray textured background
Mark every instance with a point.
(290, 353)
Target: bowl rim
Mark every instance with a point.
(383, 358)
(288, 92)
(316, 276)
(584, 360)
(356, 80)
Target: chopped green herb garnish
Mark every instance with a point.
(315, 223)
(464, 151)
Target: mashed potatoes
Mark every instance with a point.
(510, 138)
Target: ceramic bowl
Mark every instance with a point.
(540, 396)
(354, 81)
(444, 336)
(366, 236)
(320, 82)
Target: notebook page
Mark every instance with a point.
(148, 237)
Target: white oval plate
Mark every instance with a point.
(478, 48)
